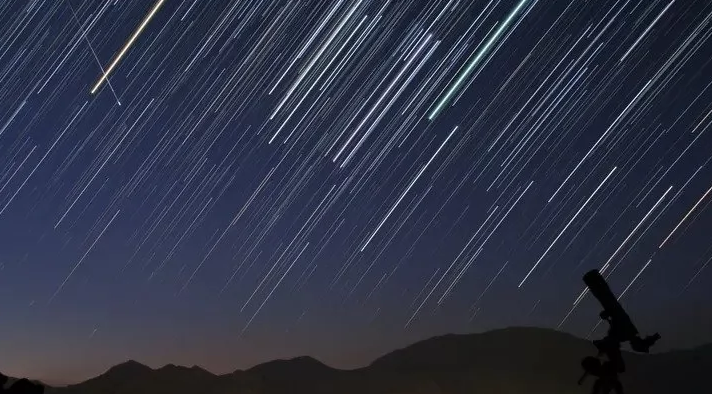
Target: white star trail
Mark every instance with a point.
(402, 166)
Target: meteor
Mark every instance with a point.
(128, 44)
(476, 59)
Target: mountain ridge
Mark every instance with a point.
(508, 360)
(705, 347)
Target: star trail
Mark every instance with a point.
(223, 183)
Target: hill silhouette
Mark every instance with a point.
(506, 361)
(10, 385)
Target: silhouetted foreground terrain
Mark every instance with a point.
(507, 361)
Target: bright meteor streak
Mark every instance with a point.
(127, 45)
(476, 60)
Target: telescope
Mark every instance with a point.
(621, 330)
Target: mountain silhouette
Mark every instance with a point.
(11, 385)
(507, 361)
(128, 368)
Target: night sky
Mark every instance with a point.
(223, 183)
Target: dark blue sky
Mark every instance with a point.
(343, 178)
